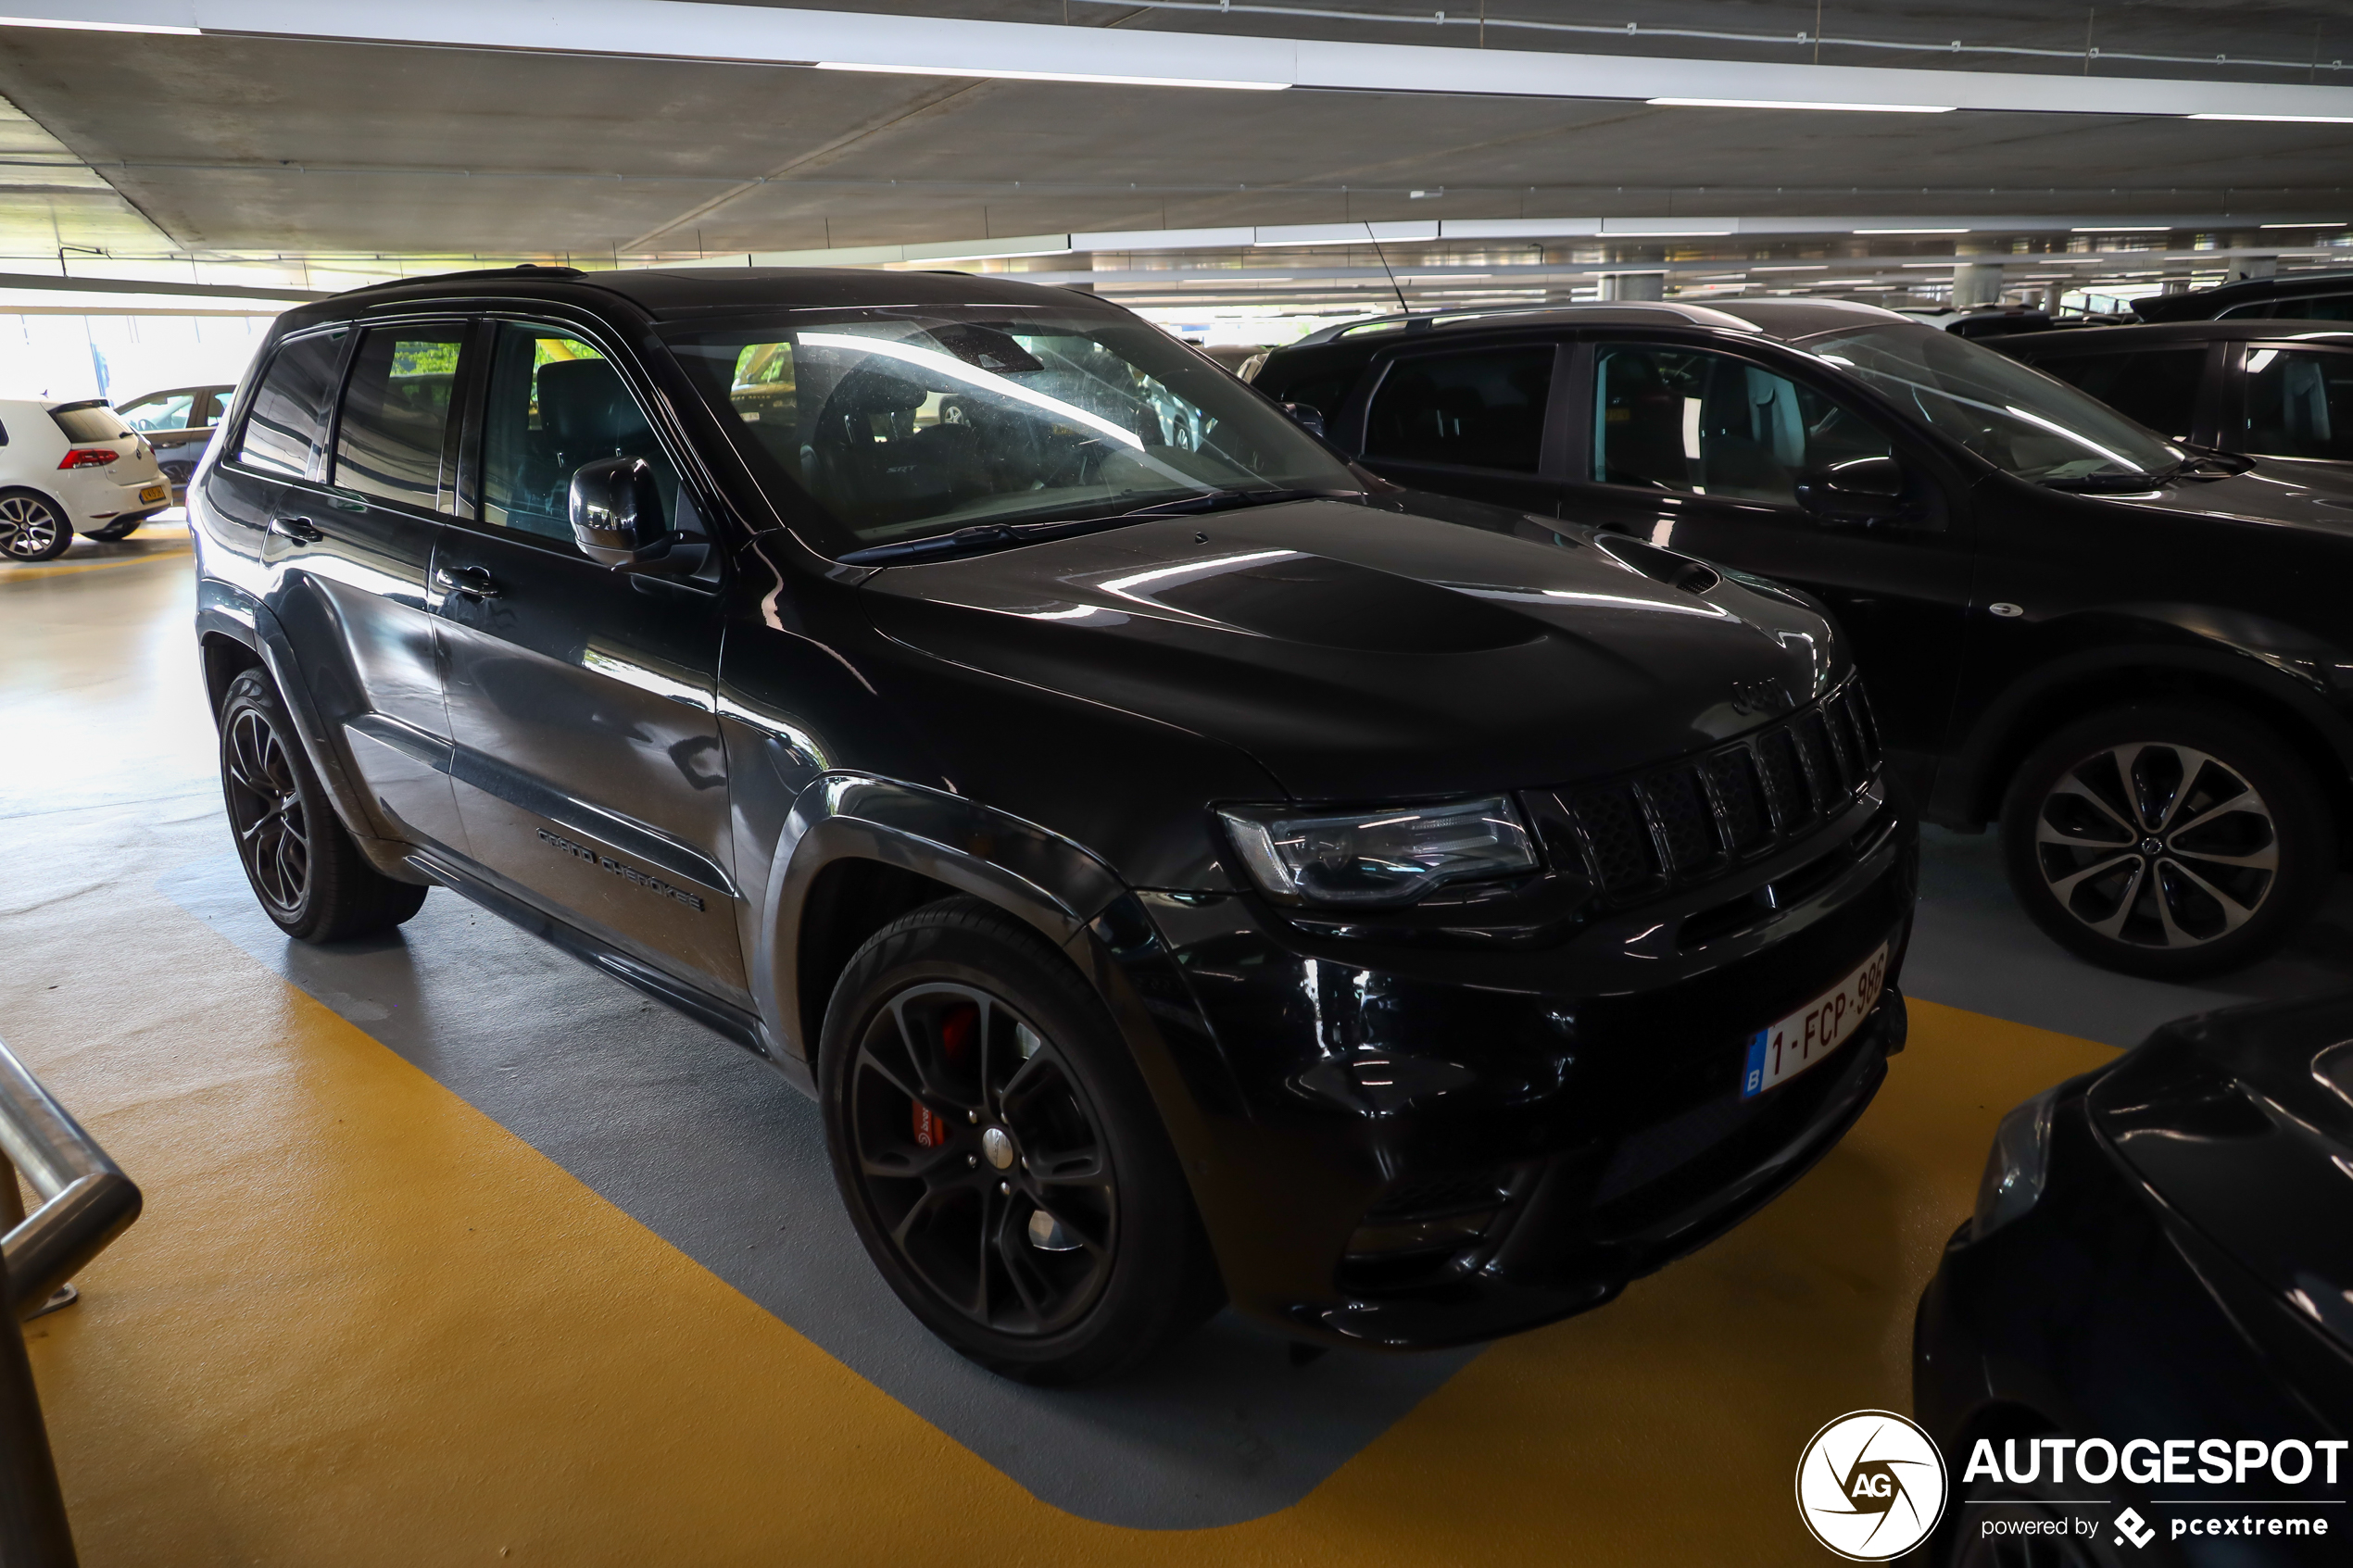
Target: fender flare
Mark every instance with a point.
(2270, 675)
(225, 612)
(1052, 883)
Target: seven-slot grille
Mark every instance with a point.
(1697, 817)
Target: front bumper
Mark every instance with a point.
(1426, 1145)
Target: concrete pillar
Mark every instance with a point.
(1635, 285)
(1976, 282)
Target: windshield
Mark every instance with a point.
(2037, 428)
(916, 421)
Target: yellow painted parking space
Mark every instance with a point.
(362, 1323)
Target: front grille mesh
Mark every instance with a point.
(1698, 816)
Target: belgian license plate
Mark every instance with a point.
(1805, 1036)
(154, 492)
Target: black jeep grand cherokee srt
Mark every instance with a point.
(1182, 865)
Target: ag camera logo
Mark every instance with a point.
(1870, 1486)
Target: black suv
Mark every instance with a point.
(1181, 865)
(2300, 296)
(2281, 391)
(2133, 652)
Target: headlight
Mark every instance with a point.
(2013, 1180)
(1379, 855)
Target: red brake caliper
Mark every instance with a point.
(955, 1042)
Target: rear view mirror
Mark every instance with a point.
(1307, 417)
(1860, 490)
(616, 512)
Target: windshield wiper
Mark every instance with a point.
(984, 538)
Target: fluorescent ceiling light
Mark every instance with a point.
(1663, 233)
(1443, 277)
(983, 255)
(1960, 231)
(2282, 119)
(2125, 229)
(1837, 282)
(1938, 266)
(1794, 267)
(101, 26)
(2335, 225)
(1797, 103)
(1225, 283)
(1055, 75)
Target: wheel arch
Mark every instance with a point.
(2068, 688)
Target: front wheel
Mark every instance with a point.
(311, 878)
(31, 528)
(1000, 1155)
(2167, 840)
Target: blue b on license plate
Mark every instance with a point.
(1782, 1051)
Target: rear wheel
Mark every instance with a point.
(1000, 1154)
(311, 878)
(31, 528)
(2167, 840)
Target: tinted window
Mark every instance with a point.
(1480, 410)
(2323, 307)
(555, 403)
(168, 410)
(1676, 418)
(2156, 386)
(396, 412)
(2299, 403)
(927, 419)
(283, 427)
(91, 421)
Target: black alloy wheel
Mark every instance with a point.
(999, 1152)
(31, 528)
(983, 1159)
(2167, 841)
(311, 880)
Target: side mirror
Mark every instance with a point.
(616, 512)
(1860, 490)
(1307, 417)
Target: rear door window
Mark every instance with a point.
(1480, 408)
(2299, 403)
(2156, 386)
(394, 428)
(1709, 424)
(282, 431)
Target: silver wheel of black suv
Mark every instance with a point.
(311, 878)
(2167, 841)
(1000, 1155)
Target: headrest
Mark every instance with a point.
(583, 404)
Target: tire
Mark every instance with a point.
(311, 878)
(1000, 1155)
(33, 527)
(2167, 840)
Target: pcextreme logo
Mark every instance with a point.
(1870, 1486)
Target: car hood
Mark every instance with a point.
(2241, 1121)
(1374, 650)
(2308, 496)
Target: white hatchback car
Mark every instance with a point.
(68, 466)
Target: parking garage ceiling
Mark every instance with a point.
(619, 133)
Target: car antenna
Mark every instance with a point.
(1384, 267)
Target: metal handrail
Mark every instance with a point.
(86, 1201)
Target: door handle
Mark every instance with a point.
(300, 529)
(472, 582)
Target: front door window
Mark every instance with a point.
(1707, 424)
(2299, 403)
(1483, 408)
(555, 403)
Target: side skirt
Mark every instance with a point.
(737, 1025)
